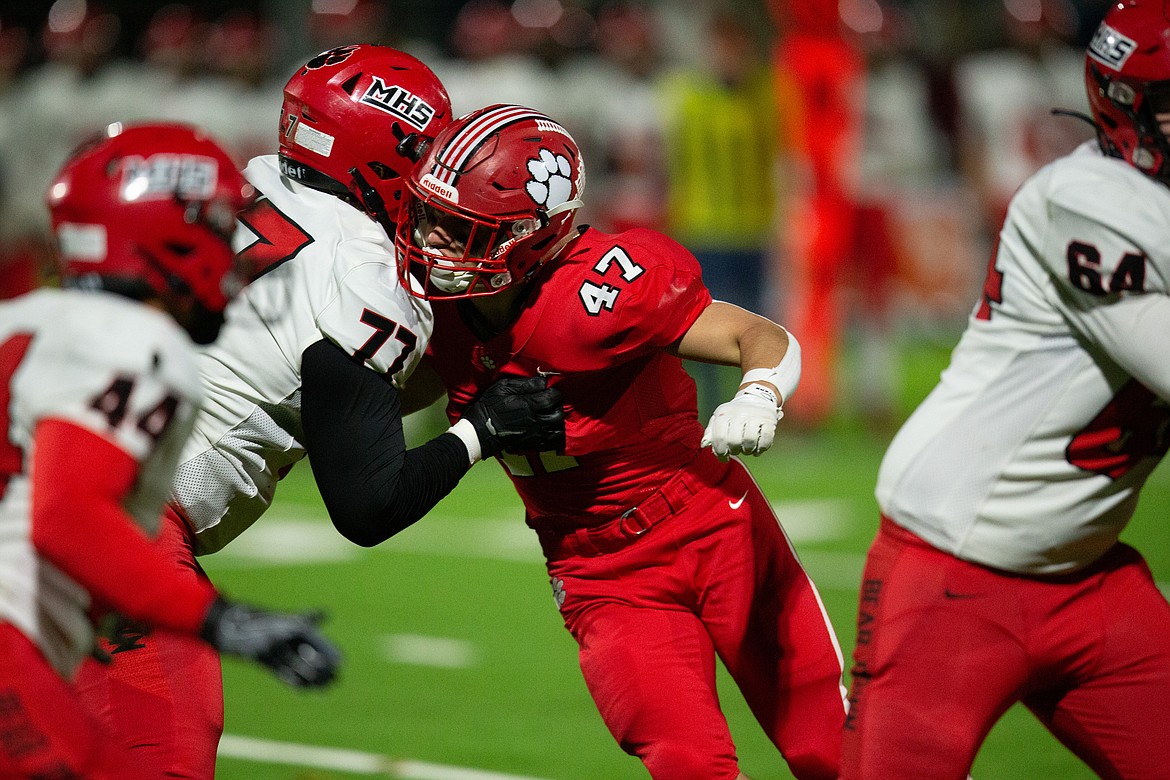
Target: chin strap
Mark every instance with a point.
(1075, 115)
(372, 202)
(568, 205)
(558, 246)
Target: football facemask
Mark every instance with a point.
(492, 200)
(462, 255)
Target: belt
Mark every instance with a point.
(636, 521)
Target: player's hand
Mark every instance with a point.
(519, 415)
(744, 425)
(288, 644)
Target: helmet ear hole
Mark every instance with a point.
(179, 250)
(524, 227)
(383, 171)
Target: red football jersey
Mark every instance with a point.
(598, 323)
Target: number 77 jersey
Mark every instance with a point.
(1030, 453)
(327, 271)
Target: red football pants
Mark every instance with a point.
(945, 647)
(44, 730)
(162, 692)
(719, 578)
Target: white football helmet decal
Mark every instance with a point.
(550, 185)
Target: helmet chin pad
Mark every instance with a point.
(450, 281)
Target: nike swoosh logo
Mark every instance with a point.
(736, 504)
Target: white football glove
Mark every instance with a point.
(744, 425)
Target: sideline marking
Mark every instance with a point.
(266, 751)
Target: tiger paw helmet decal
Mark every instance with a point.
(550, 185)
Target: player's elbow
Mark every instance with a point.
(367, 526)
(359, 527)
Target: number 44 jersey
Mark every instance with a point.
(112, 366)
(1030, 453)
(326, 271)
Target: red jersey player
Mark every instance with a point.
(661, 554)
(98, 392)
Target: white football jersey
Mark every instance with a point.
(1030, 453)
(120, 369)
(331, 273)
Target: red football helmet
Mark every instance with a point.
(149, 211)
(1127, 75)
(355, 120)
(493, 198)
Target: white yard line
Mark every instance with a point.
(289, 537)
(441, 652)
(306, 537)
(265, 751)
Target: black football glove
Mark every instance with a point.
(288, 644)
(519, 415)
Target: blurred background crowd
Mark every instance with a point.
(841, 166)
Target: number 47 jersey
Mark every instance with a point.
(328, 272)
(1030, 453)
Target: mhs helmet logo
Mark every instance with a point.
(397, 101)
(189, 176)
(1111, 48)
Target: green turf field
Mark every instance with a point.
(457, 665)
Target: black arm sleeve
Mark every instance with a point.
(372, 485)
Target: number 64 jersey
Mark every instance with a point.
(329, 272)
(1030, 453)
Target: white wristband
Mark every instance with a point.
(784, 377)
(466, 432)
(760, 391)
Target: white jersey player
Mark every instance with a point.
(334, 278)
(98, 391)
(1030, 453)
(108, 366)
(311, 361)
(997, 575)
